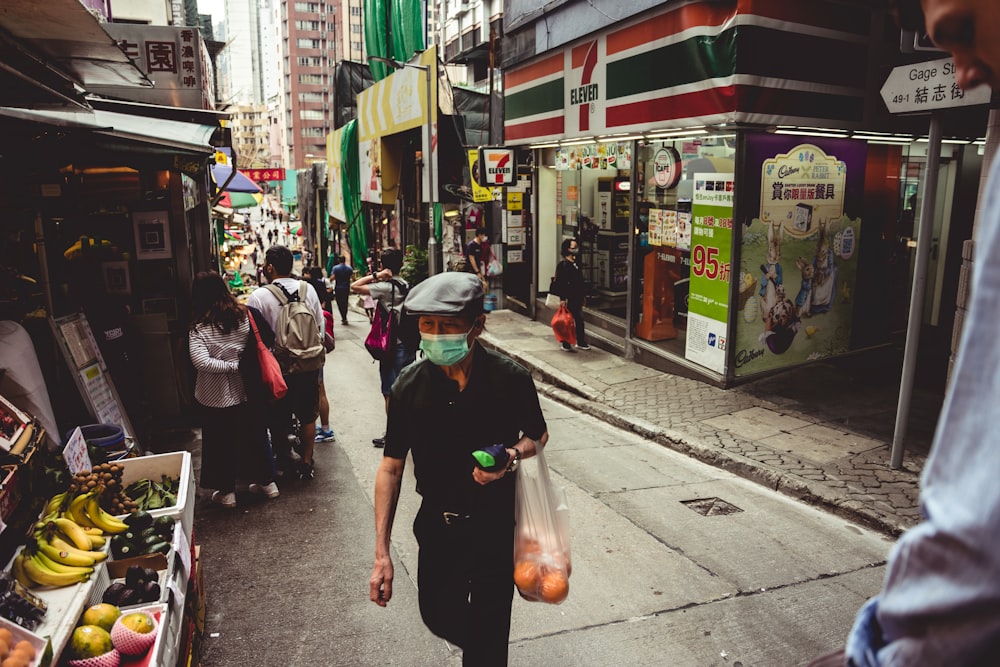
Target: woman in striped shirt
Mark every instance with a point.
(233, 435)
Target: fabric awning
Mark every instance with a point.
(177, 135)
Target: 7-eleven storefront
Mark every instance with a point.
(734, 205)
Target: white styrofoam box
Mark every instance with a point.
(172, 464)
(20, 634)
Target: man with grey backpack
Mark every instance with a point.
(293, 310)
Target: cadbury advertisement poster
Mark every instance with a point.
(799, 253)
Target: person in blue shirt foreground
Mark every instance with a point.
(940, 601)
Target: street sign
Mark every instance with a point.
(928, 86)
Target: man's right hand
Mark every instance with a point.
(380, 585)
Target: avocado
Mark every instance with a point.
(139, 520)
(135, 576)
(113, 593)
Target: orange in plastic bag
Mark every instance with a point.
(541, 541)
(563, 325)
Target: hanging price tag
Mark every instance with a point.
(75, 453)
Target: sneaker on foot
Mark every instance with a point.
(379, 441)
(325, 435)
(307, 470)
(567, 347)
(583, 347)
(270, 489)
(225, 499)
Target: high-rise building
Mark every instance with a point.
(244, 52)
(307, 56)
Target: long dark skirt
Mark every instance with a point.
(234, 445)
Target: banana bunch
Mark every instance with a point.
(61, 554)
(85, 510)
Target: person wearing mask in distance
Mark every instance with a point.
(940, 601)
(571, 290)
(475, 254)
(465, 525)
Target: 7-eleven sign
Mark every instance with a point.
(496, 166)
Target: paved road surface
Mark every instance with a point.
(654, 582)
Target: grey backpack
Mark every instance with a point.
(298, 345)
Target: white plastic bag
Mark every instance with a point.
(541, 538)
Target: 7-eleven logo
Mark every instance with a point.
(584, 58)
(499, 164)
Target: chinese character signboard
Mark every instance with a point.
(175, 60)
(799, 251)
(264, 175)
(711, 254)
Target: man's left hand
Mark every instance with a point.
(484, 478)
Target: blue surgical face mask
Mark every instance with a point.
(445, 349)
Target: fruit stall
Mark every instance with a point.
(105, 573)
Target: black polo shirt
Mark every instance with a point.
(442, 426)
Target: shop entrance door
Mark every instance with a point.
(954, 213)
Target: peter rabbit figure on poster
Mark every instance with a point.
(824, 282)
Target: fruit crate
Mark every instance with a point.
(40, 643)
(173, 464)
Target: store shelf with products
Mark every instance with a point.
(175, 570)
(612, 262)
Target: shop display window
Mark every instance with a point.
(663, 230)
(593, 205)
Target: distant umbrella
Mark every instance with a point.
(240, 182)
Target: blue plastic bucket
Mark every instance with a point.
(101, 435)
(490, 303)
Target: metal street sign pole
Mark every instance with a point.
(919, 288)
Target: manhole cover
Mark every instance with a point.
(711, 506)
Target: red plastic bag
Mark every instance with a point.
(270, 372)
(541, 539)
(563, 326)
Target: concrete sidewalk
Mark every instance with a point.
(820, 433)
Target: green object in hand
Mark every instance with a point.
(492, 458)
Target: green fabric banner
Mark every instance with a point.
(357, 231)
(407, 28)
(376, 37)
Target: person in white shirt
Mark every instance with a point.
(303, 388)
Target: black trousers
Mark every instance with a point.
(576, 310)
(233, 444)
(342, 295)
(465, 576)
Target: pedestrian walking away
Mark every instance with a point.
(388, 291)
(465, 524)
(342, 274)
(940, 601)
(475, 254)
(571, 290)
(299, 350)
(229, 391)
